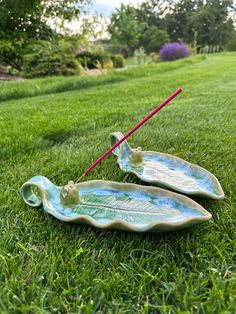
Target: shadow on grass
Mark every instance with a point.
(60, 136)
(108, 237)
(54, 85)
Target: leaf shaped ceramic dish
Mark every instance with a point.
(112, 205)
(166, 170)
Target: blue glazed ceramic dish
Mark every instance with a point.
(166, 170)
(112, 205)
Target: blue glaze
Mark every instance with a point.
(122, 206)
(168, 171)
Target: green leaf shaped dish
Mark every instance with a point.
(166, 170)
(112, 205)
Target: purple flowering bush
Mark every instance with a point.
(174, 51)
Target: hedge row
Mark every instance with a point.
(44, 58)
(91, 60)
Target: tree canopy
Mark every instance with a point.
(125, 29)
(208, 22)
(25, 28)
(153, 39)
(28, 18)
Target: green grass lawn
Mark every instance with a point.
(57, 127)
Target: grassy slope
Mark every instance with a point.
(49, 266)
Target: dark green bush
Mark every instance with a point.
(49, 59)
(231, 45)
(118, 61)
(154, 39)
(90, 59)
(11, 54)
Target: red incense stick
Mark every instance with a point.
(178, 91)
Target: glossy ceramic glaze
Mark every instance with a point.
(112, 205)
(166, 170)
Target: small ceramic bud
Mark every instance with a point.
(136, 156)
(69, 195)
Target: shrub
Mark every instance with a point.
(124, 52)
(153, 39)
(11, 54)
(118, 61)
(49, 59)
(140, 56)
(90, 59)
(154, 57)
(107, 66)
(231, 45)
(174, 51)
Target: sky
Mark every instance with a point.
(106, 7)
(117, 1)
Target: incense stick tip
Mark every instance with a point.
(81, 177)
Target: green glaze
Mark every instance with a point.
(69, 195)
(112, 205)
(136, 156)
(166, 170)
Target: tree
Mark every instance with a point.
(11, 54)
(212, 23)
(210, 20)
(178, 20)
(144, 25)
(29, 18)
(24, 21)
(153, 39)
(152, 14)
(125, 29)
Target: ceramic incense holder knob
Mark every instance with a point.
(166, 170)
(69, 195)
(136, 156)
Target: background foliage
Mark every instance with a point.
(28, 19)
(25, 27)
(206, 26)
(209, 22)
